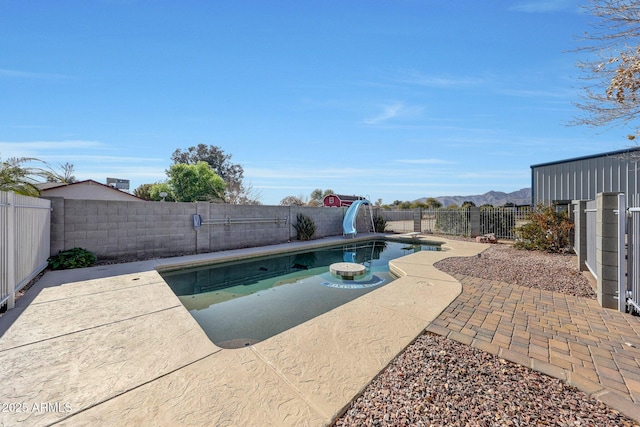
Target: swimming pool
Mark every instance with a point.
(244, 302)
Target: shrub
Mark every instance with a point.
(72, 258)
(305, 227)
(547, 230)
(379, 224)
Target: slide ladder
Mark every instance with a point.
(349, 221)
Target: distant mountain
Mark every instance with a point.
(495, 198)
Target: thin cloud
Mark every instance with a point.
(303, 173)
(534, 93)
(392, 111)
(388, 113)
(492, 174)
(43, 149)
(538, 6)
(145, 173)
(49, 145)
(18, 74)
(425, 161)
(102, 158)
(415, 77)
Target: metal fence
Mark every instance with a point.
(458, 222)
(503, 221)
(452, 222)
(24, 242)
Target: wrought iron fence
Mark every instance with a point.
(458, 222)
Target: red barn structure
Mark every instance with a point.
(339, 200)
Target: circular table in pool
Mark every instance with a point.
(347, 270)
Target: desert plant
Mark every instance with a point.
(548, 230)
(72, 258)
(379, 224)
(305, 227)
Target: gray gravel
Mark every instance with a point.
(440, 382)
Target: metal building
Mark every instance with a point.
(581, 178)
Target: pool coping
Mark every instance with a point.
(113, 345)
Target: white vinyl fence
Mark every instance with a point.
(24, 242)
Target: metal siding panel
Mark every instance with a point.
(606, 175)
(599, 170)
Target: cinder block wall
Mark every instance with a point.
(138, 230)
(117, 229)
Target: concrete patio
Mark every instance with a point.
(112, 345)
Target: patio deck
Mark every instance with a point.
(113, 345)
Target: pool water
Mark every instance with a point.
(241, 303)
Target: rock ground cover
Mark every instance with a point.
(437, 381)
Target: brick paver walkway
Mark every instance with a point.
(596, 350)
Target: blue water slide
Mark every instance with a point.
(349, 221)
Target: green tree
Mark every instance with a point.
(433, 203)
(237, 192)
(161, 187)
(468, 204)
(143, 191)
(17, 175)
(190, 183)
(318, 195)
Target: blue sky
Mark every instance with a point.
(391, 99)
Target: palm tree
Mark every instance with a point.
(17, 176)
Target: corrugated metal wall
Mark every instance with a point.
(583, 178)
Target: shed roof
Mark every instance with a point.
(593, 156)
(345, 197)
(51, 187)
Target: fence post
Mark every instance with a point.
(474, 218)
(11, 246)
(417, 220)
(580, 232)
(606, 249)
(622, 283)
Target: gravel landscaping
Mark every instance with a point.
(440, 382)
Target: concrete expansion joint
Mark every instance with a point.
(142, 384)
(91, 328)
(291, 386)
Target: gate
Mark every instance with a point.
(630, 222)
